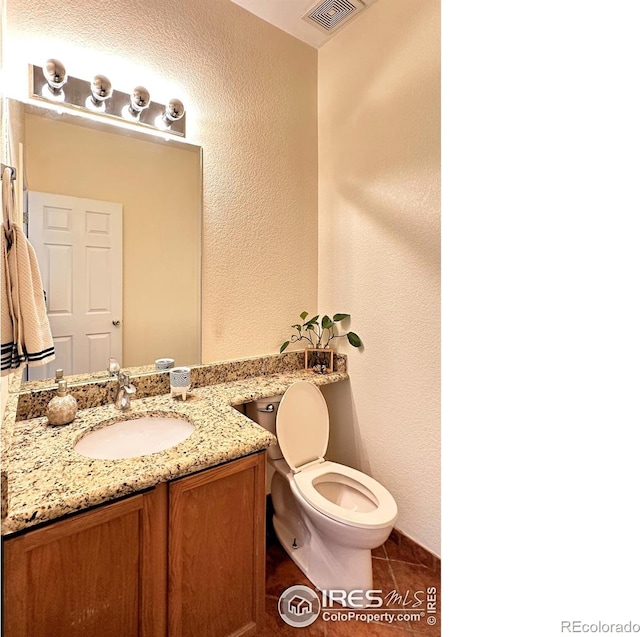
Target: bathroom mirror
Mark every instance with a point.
(158, 183)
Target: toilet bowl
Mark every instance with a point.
(327, 516)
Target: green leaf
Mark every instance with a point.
(313, 321)
(309, 327)
(297, 327)
(327, 323)
(304, 315)
(340, 317)
(284, 346)
(354, 339)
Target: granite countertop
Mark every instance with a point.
(46, 478)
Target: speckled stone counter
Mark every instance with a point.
(93, 390)
(46, 478)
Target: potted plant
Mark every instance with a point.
(319, 333)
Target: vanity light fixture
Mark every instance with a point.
(101, 91)
(99, 98)
(140, 99)
(55, 76)
(173, 112)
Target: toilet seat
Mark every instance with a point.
(384, 513)
(302, 428)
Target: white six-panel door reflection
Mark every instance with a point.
(79, 247)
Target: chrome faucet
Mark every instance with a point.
(114, 367)
(125, 390)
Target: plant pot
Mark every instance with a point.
(318, 360)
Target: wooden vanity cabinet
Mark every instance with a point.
(217, 550)
(99, 573)
(186, 558)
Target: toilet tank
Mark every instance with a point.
(263, 412)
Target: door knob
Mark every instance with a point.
(116, 322)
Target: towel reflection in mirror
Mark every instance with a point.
(26, 333)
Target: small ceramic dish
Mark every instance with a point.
(165, 363)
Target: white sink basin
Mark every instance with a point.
(135, 437)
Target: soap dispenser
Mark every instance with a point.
(63, 407)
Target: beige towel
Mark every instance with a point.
(26, 333)
(8, 348)
(6, 317)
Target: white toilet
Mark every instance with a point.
(328, 516)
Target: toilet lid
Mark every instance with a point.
(302, 424)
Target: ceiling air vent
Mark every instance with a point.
(331, 14)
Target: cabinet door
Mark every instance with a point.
(217, 550)
(100, 573)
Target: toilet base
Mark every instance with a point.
(328, 568)
(295, 544)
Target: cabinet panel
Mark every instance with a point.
(217, 551)
(86, 575)
(183, 560)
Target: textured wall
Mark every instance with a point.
(379, 256)
(251, 95)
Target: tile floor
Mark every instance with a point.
(397, 566)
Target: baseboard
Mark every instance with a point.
(402, 548)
